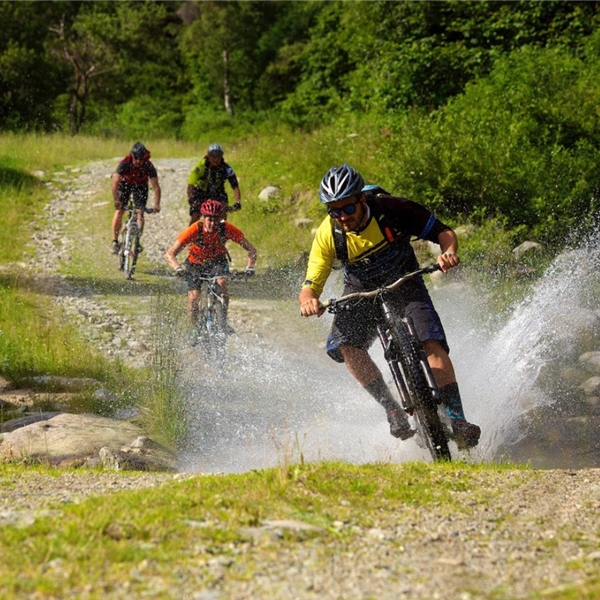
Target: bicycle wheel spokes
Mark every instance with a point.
(425, 409)
(130, 251)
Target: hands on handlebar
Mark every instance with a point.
(336, 304)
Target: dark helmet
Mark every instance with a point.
(212, 208)
(340, 182)
(138, 150)
(215, 150)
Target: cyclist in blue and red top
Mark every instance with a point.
(207, 182)
(207, 254)
(130, 180)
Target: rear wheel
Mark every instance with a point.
(412, 363)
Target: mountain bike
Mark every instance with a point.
(129, 241)
(212, 330)
(403, 351)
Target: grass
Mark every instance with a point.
(187, 523)
(205, 532)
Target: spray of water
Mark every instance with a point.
(499, 367)
(274, 403)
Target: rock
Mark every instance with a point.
(591, 386)
(143, 454)
(66, 438)
(526, 248)
(104, 395)
(70, 383)
(269, 193)
(303, 222)
(25, 420)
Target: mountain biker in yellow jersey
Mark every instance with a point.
(370, 233)
(131, 180)
(207, 254)
(207, 181)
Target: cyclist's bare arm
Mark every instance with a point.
(115, 189)
(449, 245)
(246, 245)
(157, 193)
(171, 255)
(309, 303)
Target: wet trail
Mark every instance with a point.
(283, 399)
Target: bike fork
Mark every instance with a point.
(390, 354)
(435, 392)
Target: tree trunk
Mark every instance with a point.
(226, 90)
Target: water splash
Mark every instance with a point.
(499, 367)
(276, 403)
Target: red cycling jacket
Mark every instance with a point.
(133, 175)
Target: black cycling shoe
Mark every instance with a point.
(466, 435)
(399, 425)
(114, 247)
(139, 249)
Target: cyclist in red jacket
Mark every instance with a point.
(130, 180)
(207, 254)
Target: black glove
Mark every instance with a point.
(249, 272)
(180, 272)
(237, 206)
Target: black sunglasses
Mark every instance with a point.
(349, 209)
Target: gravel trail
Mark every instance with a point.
(532, 538)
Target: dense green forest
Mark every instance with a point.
(488, 112)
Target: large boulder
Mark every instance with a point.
(76, 440)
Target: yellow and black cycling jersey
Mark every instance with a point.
(373, 259)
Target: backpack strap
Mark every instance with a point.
(388, 228)
(340, 242)
(221, 229)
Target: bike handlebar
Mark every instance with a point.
(332, 303)
(132, 207)
(230, 275)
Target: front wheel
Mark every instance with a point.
(130, 251)
(407, 357)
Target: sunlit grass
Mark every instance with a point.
(166, 538)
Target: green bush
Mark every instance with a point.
(520, 144)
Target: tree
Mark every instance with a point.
(89, 58)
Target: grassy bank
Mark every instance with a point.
(250, 535)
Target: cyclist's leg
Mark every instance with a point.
(430, 331)
(194, 286)
(353, 332)
(117, 222)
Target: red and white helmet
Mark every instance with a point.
(212, 208)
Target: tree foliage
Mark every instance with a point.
(476, 108)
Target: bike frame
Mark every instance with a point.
(404, 353)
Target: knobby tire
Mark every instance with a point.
(212, 332)
(424, 405)
(130, 252)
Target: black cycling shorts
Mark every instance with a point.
(138, 193)
(212, 268)
(358, 327)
